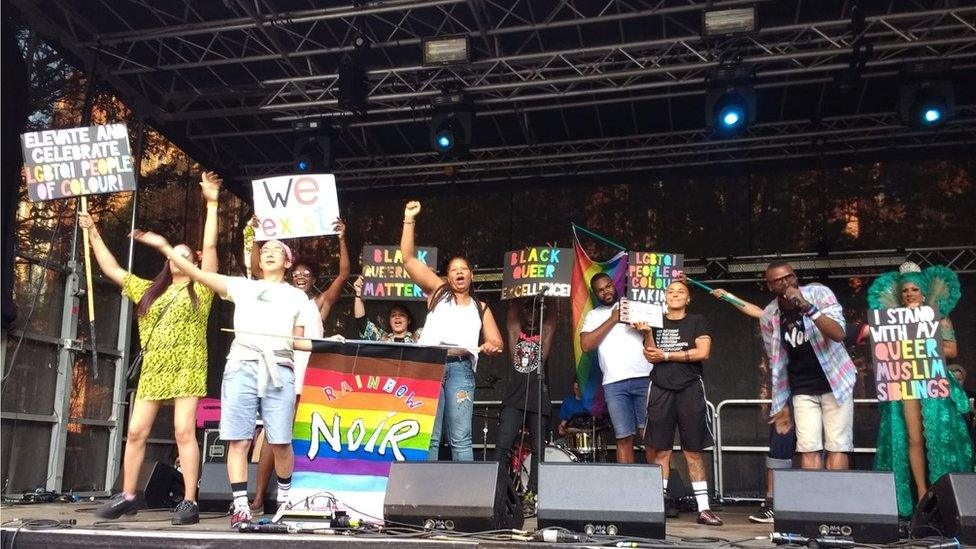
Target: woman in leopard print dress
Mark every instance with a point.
(172, 313)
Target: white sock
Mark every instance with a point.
(665, 483)
(240, 500)
(701, 494)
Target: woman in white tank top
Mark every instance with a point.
(454, 317)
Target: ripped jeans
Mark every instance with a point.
(455, 408)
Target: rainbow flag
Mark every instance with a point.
(587, 364)
(363, 406)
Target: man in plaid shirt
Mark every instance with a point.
(803, 333)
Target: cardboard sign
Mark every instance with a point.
(637, 311)
(385, 278)
(906, 349)
(537, 270)
(650, 273)
(364, 405)
(77, 162)
(293, 206)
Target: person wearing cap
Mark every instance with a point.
(922, 439)
(259, 373)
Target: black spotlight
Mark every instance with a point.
(312, 151)
(730, 101)
(926, 98)
(450, 124)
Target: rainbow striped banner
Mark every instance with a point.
(587, 364)
(363, 406)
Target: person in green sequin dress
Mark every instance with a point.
(921, 440)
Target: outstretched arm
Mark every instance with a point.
(214, 281)
(210, 184)
(328, 298)
(418, 271)
(106, 261)
(747, 308)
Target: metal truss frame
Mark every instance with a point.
(227, 79)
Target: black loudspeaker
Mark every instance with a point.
(607, 498)
(161, 485)
(860, 504)
(463, 496)
(948, 509)
(214, 493)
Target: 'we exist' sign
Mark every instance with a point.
(293, 206)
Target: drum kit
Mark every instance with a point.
(584, 443)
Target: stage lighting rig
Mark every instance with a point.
(312, 151)
(446, 50)
(450, 124)
(353, 83)
(926, 98)
(729, 22)
(730, 101)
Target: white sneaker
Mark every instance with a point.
(764, 516)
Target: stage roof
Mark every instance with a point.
(561, 88)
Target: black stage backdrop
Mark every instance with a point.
(875, 206)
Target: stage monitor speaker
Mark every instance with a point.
(161, 485)
(214, 493)
(948, 509)
(609, 498)
(858, 504)
(463, 496)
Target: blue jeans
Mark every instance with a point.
(455, 408)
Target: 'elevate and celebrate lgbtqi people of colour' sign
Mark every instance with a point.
(906, 348)
(364, 405)
(384, 276)
(293, 206)
(77, 162)
(537, 270)
(650, 273)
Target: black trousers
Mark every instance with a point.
(509, 427)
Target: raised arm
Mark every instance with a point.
(358, 307)
(493, 337)
(747, 308)
(210, 186)
(418, 271)
(328, 298)
(255, 260)
(214, 281)
(106, 261)
(548, 334)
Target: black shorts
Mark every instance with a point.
(684, 409)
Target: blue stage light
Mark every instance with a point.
(444, 141)
(931, 115)
(732, 116)
(302, 165)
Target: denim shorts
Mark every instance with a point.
(239, 403)
(627, 404)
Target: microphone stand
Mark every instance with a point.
(537, 442)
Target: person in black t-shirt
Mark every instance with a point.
(520, 405)
(676, 397)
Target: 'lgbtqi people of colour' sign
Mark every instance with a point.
(650, 273)
(537, 270)
(384, 276)
(364, 405)
(77, 162)
(293, 206)
(906, 348)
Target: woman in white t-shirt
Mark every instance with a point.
(456, 318)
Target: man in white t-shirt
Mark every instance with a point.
(259, 373)
(626, 373)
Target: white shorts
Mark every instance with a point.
(823, 424)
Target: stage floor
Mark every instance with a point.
(152, 529)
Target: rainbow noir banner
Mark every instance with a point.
(587, 364)
(363, 406)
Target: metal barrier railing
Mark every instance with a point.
(721, 448)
